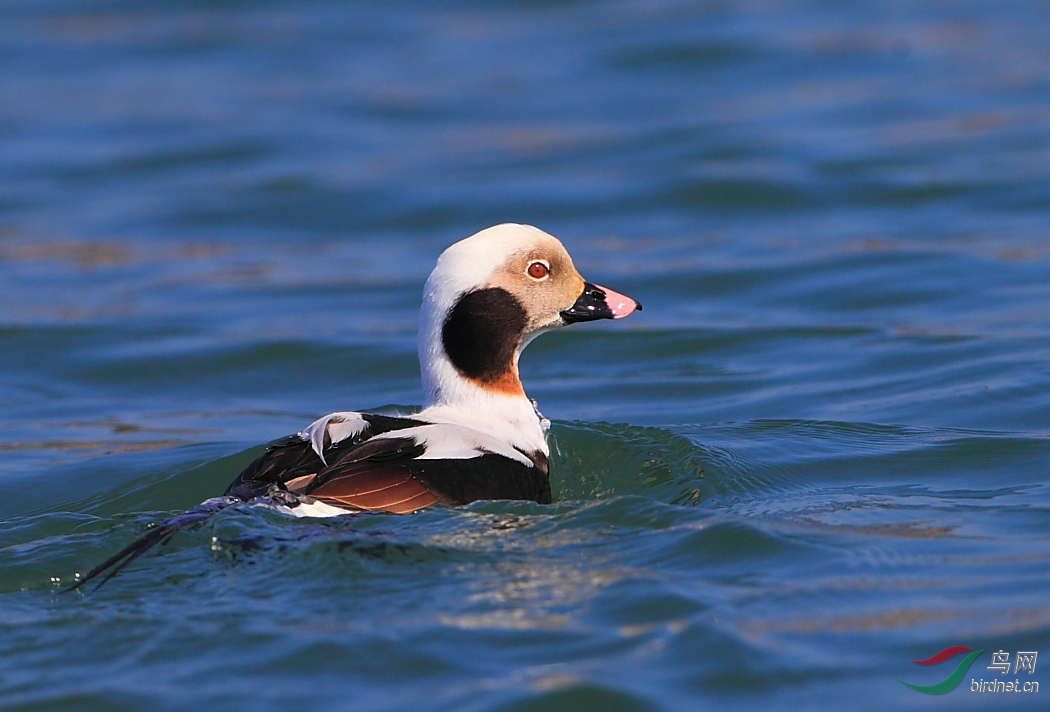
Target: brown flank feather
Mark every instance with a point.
(388, 489)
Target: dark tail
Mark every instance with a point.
(116, 563)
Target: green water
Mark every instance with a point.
(820, 453)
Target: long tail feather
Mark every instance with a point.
(119, 561)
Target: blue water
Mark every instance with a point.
(819, 453)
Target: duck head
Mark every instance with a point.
(488, 297)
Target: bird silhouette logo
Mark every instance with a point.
(952, 681)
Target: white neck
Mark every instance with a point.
(451, 398)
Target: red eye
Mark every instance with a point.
(538, 270)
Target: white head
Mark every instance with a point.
(490, 295)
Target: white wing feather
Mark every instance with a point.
(446, 441)
(339, 426)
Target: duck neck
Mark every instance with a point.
(469, 367)
(471, 344)
(505, 413)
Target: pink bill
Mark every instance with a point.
(619, 304)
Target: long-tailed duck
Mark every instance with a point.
(478, 437)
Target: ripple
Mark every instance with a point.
(601, 460)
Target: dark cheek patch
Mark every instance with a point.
(482, 333)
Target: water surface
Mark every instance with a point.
(819, 453)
